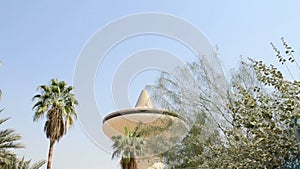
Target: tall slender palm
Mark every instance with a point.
(57, 103)
(8, 142)
(129, 146)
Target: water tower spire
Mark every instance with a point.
(144, 100)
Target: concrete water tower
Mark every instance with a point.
(144, 113)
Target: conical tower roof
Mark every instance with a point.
(144, 100)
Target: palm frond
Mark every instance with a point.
(38, 164)
(56, 103)
(8, 142)
(37, 96)
(4, 120)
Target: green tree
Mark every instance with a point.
(254, 119)
(180, 156)
(57, 102)
(24, 164)
(128, 146)
(192, 92)
(9, 140)
(262, 135)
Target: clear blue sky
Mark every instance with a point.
(40, 40)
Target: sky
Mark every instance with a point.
(40, 40)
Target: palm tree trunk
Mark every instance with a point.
(131, 164)
(50, 154)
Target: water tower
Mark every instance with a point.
(170, 128)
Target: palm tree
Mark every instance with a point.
(24, 164)
(8, 141)
(129, 146)
(57, 103)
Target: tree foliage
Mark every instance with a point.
(129, 147)
(192, 92)
(255, 118)
(9, 140)
(262, 135)
(24, 164)
(180, 155)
